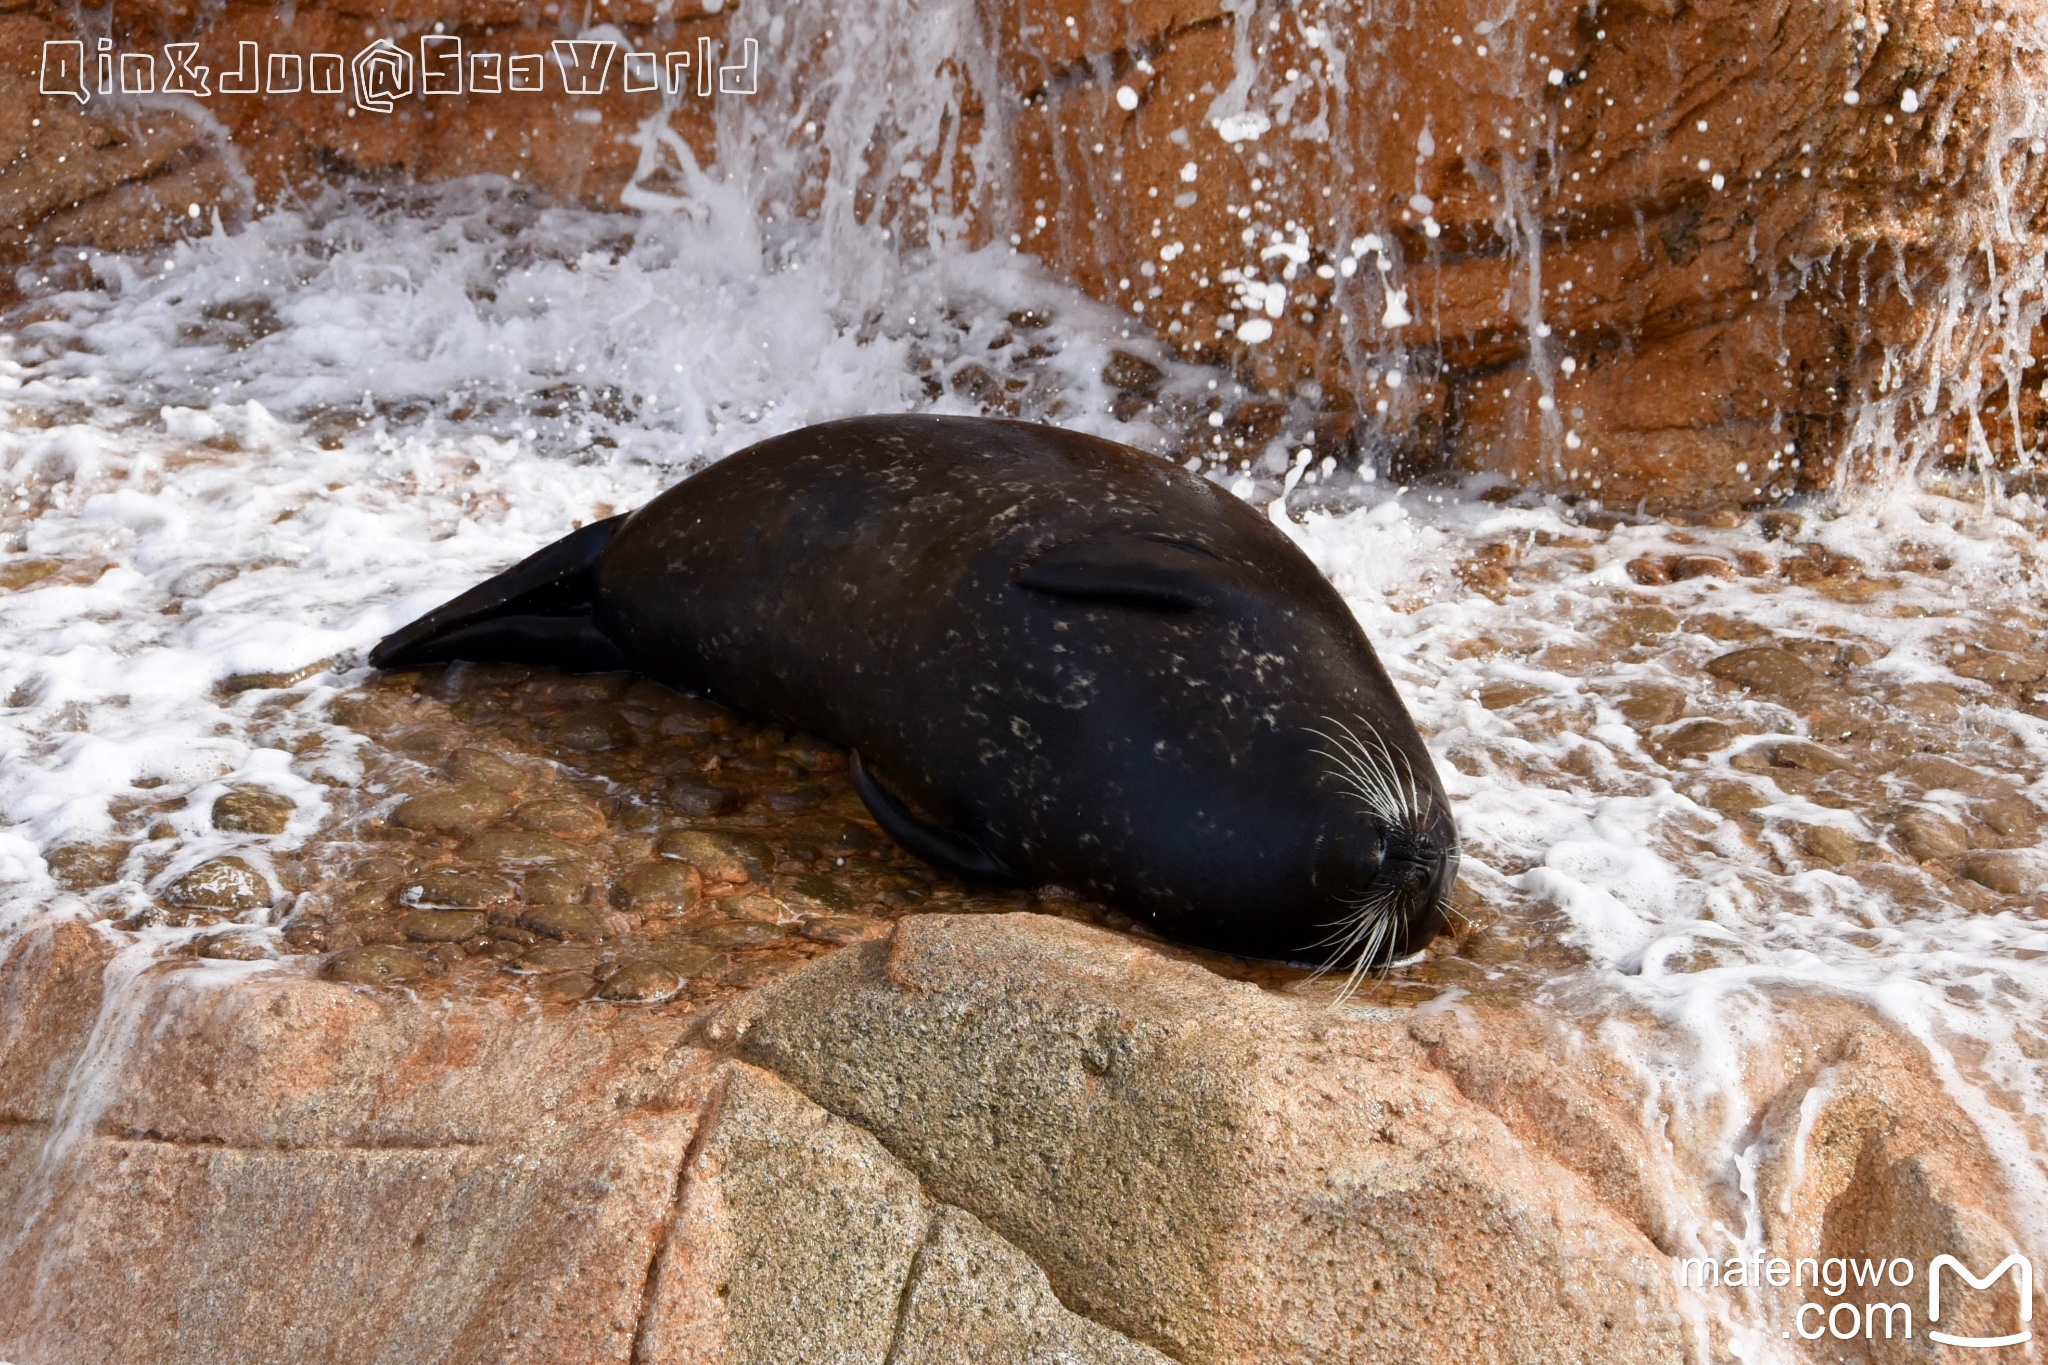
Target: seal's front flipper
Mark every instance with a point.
(1127, 570)
(539, 611)
(948, 850)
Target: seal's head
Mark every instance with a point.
(1390, 859)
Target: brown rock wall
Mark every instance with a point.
(1654, 248)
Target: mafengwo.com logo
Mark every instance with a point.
(383, 72)
(1868, 1298)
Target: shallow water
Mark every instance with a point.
(1702, 771)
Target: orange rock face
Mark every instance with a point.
(1698, 254)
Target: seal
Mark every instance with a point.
(1053, 659)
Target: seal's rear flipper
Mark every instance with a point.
(948, 850)
(539, 611)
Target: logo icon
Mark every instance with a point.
(2023, 1281)
(383, 73)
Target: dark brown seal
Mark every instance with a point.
(1054, 658)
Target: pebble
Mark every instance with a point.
(1825, 843)
(376, 965)
(1924, 834)
(1648, 705)
(253, 810)
(1695, 738)
(442, 926)
(565, 988)
(569, 689)
(559, 957)
(233, 947)
(562, 815)
(1733, 799)
(667, 887)
(2012, 817)
(641, 981)
(1500, 696)
(458, 889)
(455, 808)
(567, 921)
(83, 866)
(757, 907)
(2009, 874)
(700, 799)
(694, 716)
(813, 895)
(517, 846)
(562, 884)
(1789, 753)
(593, 729)
(1700, 566)
(720, 856)
(483, 767)
(224, 884)
(731, 934)
(839, 928)
(1766, 669)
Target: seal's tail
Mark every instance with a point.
(539, 611)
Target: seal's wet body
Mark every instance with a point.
(1078, 662)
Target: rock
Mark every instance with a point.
(568, 921)
(1146, 1136)
(839, 929)
(1925, 834)
(1644, 624)
(1649, 705)
(1651, 573)
(759, 908)
(694, 716)
(641, 981)
(718, 855)
(226, 884)
(234, 947)
(1684, 567)
(457, 889)
(565, 883)
(736, 934)
(973, 1296)
(2009, 874)
(2012, 817)
(1923, 773)
(593, 729)
(1132, 374)
(560, 957)
(1500, 696)
(661, 888)
(1694, 738)
(1827, 844)
(700, 799)
(455, 808)
(1734, 799)
(1766, 668)
(1995, 667)
(806, 894)
(252, 810)
(443, 926)
(834, 838)
(518, 847)
(482, 767)
(88, 865)
(376, 965)
(562, 815)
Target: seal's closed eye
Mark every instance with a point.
(1129, 570)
